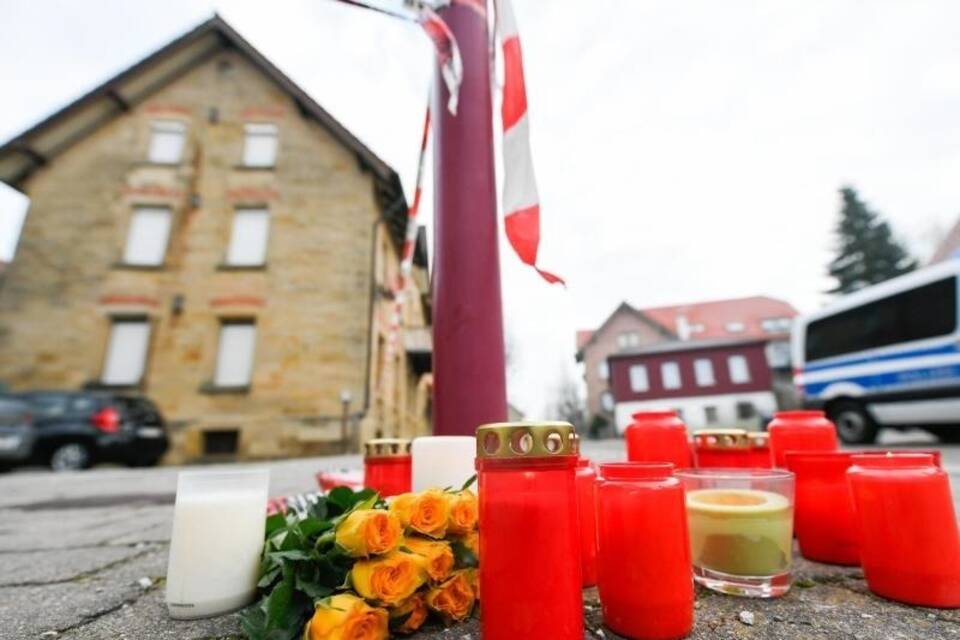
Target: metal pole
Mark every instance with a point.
(468, 354)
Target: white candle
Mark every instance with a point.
(443, 461)
(218, 528)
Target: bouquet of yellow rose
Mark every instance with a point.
(355, 566)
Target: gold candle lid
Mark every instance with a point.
(758, 439)
(386, 447)
(721, 439)
(527, 440)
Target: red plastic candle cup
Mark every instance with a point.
(722, 448)
(387, 466)
(909, 542)
(824, 517)
(760, 450)
(586, 506)
(800, 431)
(937, 456)
(658, 436)
(530, 575)
(645, 577)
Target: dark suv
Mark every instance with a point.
(76, 429)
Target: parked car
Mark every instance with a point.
(17, 434)
(75, 429)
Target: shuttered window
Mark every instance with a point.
(126, 352)
(166, 141)
(248, 238)
(260, 145)
(147, 236)
(235, 354)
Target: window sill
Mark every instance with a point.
(96, 385)
(139, 267)
(255, 167)
(242, 267)
(210, 388)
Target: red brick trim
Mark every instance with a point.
(238, 301)
(153, 191)
(119, 299)
(158, 108)
(252, 194)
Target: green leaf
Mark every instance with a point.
(253, 621)
(268, 577)
(340, 497)
(275, 523)
(312, 588)
(469, 482)
(463, 557)
(278, 604)
(312, 525)
(292, 554)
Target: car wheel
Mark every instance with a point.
(71, 456)
(854, 424)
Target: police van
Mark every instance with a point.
(885, 356)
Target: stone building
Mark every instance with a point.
(202, 232)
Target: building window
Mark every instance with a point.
(745, 410)
(248, 238)
(703, 372)
(606, 401)
(735, 327)
(739, 371)
(126, 352)
(147, 236)
(710, 414)
(220, 442)
(670, 374)
(235, 354)
(628, 340)
(260, 145)
(166, 141)
(776, 325)
(639, 381)
(603, 370)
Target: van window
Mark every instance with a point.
(925, 312)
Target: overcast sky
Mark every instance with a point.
(685, 150)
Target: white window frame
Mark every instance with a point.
(670, 375)
(639, 378)
(235, 369)
(167, 141)
(603, 370)
(735, 326)
(739, 369)
(125, 361)
(261, 142)
(148, 235)
(703, 372)
(241, 251)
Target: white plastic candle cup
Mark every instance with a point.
(443, 461)
(219, 524)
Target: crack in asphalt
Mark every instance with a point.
(83, 575)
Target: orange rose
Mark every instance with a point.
(369, 532)
(464, 512)
(438, 556)
(390, 579)
(346, 617)
(426, 512)
(409, 615)
(453, 599)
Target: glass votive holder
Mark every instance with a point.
(644, 579)
(909, 542)
(387, 466)
(658, 436)
(530, 581)
(759, 449)
(721, 448)
(586, 506)
(219, 523)
(442, 461)
(741, 529)
(800, 431)
(825, 520)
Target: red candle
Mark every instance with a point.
(530, 577)
(387, 466)
(722, 448)
(800, 431)
(586, 505)
(645, 575)
(824, 518)
(909, 542)
(658, 436)
(760, 450)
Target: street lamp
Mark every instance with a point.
(345, 398)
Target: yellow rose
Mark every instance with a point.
(409, 615)
(438, 556)
(369, 532)
(464, 512)
(346, 617)
(453, 599)
(426, 512)
(390, 579)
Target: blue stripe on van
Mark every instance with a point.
(898, 355)
(894, 380)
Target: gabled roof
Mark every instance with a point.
(40, 144)
(680, 346)
(622, 308)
